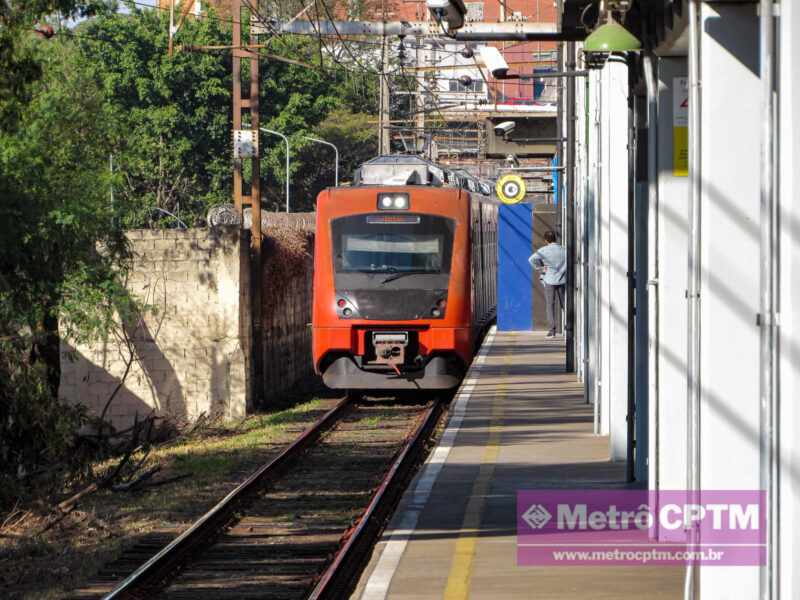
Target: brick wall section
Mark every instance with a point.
(287, 323)
(287, 338)
(191, 351)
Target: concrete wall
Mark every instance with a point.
(672, 243)
(189, 353)
(614, 256)
(602, 177)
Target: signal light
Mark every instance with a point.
(341, 303)
(393, 202)
(442, 303)
(347, 312)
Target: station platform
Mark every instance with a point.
(518, 422)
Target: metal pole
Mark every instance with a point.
(569, 226)
(653, 328)
(484, 31)
(693, 284)
(767, 309)
(598, 259)
(630, 449)
(335, 150)
(286, 140)
(585, 246)
(384, 135)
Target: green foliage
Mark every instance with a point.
(329, 103)
(171, 135)
(55, 213)
(19, 68)
(353, 135)
(55, 189)
(170, 117)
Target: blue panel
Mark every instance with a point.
(514, 288)
(556, 181)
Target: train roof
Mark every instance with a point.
(399, 169)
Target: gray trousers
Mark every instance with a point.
(554, 302)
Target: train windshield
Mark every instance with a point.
(393, 243)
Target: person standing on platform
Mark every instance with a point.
(552, 260)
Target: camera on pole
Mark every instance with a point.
(448, 12)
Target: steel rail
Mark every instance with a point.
(139, 583)
(337, 579)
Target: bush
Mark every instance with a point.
(37, 432)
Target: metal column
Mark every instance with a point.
(569, 204)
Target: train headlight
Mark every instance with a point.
(393, 202)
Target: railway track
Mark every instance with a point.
(300, 527)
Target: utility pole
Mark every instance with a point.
(247, 106)
(384, 135)
(420, 104)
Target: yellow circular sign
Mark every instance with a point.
(510, 189)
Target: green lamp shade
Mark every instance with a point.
(611, 37)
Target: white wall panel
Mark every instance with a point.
(729, 295)
(789, 298)
(614, 241)
(673, 244)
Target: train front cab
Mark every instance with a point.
(392, 288)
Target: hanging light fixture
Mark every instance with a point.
(611, 37)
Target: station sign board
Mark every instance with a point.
(680, 127)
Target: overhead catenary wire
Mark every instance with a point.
(336, 45)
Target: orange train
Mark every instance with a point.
(404, 276)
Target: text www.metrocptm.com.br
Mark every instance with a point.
(641, 556)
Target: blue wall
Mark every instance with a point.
(514, 286)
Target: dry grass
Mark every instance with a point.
(45, 565)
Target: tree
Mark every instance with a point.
(19, 68)
(55, 210)
(330, 102)
(353, 134)
(55, 213)
(172, 134)
(171, 115)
